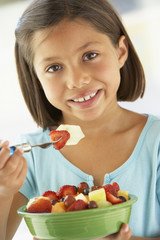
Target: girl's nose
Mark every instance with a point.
(77, 79)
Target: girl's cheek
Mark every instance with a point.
(100, 71)
(54, 91)
(106, 70)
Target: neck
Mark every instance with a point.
(109, 121)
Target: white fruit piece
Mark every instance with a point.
(97, 195)
(103, 204)
(81, 196)
(75, 131)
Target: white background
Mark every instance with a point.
(14, 116)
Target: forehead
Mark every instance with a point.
(66, 40)
(66, 31)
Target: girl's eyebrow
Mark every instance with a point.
(48, 59)
(86, 45)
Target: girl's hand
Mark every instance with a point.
(125, 233)
(13, 170)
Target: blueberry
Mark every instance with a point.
(123, 198)
(62, 199)
(86, 191)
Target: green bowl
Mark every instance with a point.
(84, 224)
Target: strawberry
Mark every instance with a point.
(77, 205)
(114, 200)
(109, 188)
(66, 190)
(51, 195)
(116, 186)
(56, 134)
(39, 205)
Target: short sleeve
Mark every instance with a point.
(158, 177)
(29, 189)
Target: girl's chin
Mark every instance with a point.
(89, 116)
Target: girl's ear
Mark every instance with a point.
(122, 51)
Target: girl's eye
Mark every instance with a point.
(90, 56)
(54, 68)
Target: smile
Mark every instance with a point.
(84, 99)
(87, 100)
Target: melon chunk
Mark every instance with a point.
(75, 131)
(97, 195)
(81, 196)
(103, 203)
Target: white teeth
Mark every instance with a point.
(85, 98)
(93, 94)
(75, 100)
(81, 100)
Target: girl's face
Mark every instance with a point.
(79, 69)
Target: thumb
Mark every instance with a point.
(125, 232)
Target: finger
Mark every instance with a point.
(22, 169)
(125, 232)
(4, 153)
(13, 162)
(20, 174)
(13, 182)
(4, 144)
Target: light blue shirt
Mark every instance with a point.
(140, 175)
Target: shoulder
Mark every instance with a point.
(150, 137)
(153, 125)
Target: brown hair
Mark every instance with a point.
(42, 14)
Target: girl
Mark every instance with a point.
(75, 62)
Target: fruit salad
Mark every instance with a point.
(74, 198)
(71, 135)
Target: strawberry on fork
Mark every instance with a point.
(56, 134)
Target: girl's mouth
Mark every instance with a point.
(86, 98)
(86, 101)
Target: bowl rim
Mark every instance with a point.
(133, 198)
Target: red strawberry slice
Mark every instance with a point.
(66, 190)
(111, 198)
(51, 195)
(109, 188)
(116, 186)
(77, 205)
(56, 134)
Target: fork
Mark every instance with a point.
(27, 146)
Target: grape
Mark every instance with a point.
(69, 200)
(75, 188)
(92, 204)
(82, 186)
(93, 188)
